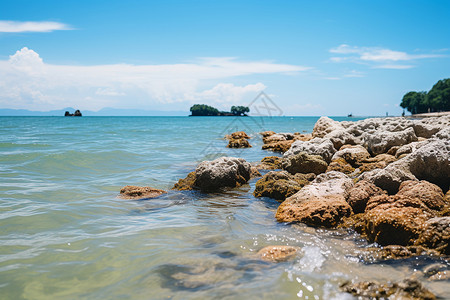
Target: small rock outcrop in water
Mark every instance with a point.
(407, 289)
(76, 114)
(210, 176)
(238, 139)
(139, 192)
(277, 253)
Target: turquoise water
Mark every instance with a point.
(65, 235)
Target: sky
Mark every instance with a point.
(311, 58)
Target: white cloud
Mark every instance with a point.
(395, 67)
(28, 82)
(15, 26)
(376, 55)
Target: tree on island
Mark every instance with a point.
(239, 110)
(203, 110)
(437, 99)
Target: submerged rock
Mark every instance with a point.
(279, 185)
(139, 192)
(278, 253)
(304, 163)
(407, 289)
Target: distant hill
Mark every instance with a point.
(105, 112)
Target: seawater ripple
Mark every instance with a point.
(65, 235)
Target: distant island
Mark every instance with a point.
(436, 100)
(77, 113)
(206, 110)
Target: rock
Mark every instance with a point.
(304, 163)
(431, 162)
(185, 184)
(254, 172)
(378, 162)
(277, 253)
(398, 200)
(407, 289)
(302, 137)
(430, 194)
(437, 271)
(391, 223)
(397, 252)
(237, 135)
(393, 150)
(321, 203)
(77, 113)
(435, 234)
(325, 126)
(267, 133)
(360, 193)
(270, 163)
(278, 137)
(139, 192)
(316, 146)
(428, 127)
(340, 165)
(354, 155)
(381, 141)
(281, 146)
(280, 184)
(238, 143)
(443, 134)
(409, 148)
(222, 172)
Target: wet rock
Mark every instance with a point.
(436, 272)
(430, 194)
(222, 172)
(280, 184)
(320, 203)
(396, 252)
(394, 223)
(304, 163)
(316, 146)
(278, 253)
(407, 289)
(381, 141)
(435, 234)
(238, 143)
(267, 133)
(270, 163)
(254, 172)
(139, 192)
(354, 155)
(185, 184)
(237, 135)
(281, 146)
(340, 165)
(360, 193)
(278, 137)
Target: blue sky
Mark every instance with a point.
(310, 57)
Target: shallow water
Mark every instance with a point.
(65, 235)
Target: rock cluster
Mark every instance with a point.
(238, 139)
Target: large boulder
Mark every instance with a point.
(320, 203)
(316, 146)
(302, 162)
(222, 172)
(360, 193)
(280, 184)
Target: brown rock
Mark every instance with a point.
(360, 193)
(139, 192)
(354, 155)
(435, 234)
(185, 184)
(320, 212)
(270, 163)
(254, 172)
(378, 162)
(277, 253)
(267, 133)
(407, 289)
(430, 194)
(237, 135)
(304, 163)
(280, 184)
(281, 146)
(302, 137)
(238, 143)
(387, 224)
(398, 201)
(340, 165)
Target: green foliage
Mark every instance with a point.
(203, 110)
(239, 110)
(437, 99)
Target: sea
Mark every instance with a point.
(64, 233)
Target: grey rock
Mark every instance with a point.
(317, 146)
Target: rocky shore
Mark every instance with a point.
(385, 178)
